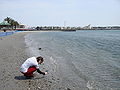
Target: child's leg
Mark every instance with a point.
(30, 71)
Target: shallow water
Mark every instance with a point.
(6, 33)
(82, 60)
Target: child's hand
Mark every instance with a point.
(46, 73)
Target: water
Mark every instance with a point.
(82, 60)
(6, 33)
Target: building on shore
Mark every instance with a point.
(21, 26)
(88, 27)
(106, 28)
(7, 26)
(56, 28)
(4, 25)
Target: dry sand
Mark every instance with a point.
(12, 55)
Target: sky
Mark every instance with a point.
(62, 12)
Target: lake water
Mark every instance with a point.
(81, 60)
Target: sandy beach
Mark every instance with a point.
(12, 55)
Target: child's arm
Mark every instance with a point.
(44, 73)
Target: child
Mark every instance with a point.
(31, 65)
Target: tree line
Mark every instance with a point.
(12, 22)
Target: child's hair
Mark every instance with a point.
(40, 59)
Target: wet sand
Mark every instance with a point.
(12, 55)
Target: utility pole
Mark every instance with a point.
(64, 23)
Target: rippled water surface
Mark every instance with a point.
(82, 60)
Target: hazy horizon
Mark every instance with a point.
(55, 13)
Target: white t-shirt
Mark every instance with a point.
(28, 63)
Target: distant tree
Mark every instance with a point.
(38, 28)
(8, 19)
(15, 24)
(12, 22)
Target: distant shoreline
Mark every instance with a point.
(10, 32)
(62, 30)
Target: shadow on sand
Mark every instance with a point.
(24, 78)
(20, 78)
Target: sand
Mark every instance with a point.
(12, 55)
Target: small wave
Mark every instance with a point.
(32, 46)
(90, 85)
(51, 58)
(53, 62)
